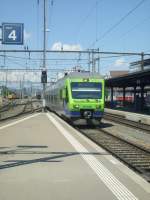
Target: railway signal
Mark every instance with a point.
(44, 76)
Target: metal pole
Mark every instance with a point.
(93, 67)
(20, 89)
(6, 91)
(142, 61)
(31, 90)
(89, 61)
(23, 86)
(98, 64)
(44, 49)
(44, 41)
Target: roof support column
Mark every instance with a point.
(142, 97)
(142, 61)
(134, 91)
(124, 96)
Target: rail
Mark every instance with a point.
(134, 156)
(15, 109)
(122, 120)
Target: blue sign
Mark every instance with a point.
(12, 33)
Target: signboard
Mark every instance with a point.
(12, 33)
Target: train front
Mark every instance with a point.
(87, 99)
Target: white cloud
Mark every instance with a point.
(66, 47)
(57, 46)
(27, 35)
(120, 62)
(21, 76)
(118, 65)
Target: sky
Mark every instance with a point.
(110, 25)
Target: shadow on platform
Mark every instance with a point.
(53, 156)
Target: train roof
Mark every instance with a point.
(76, 75)
(83, 75)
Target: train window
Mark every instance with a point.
(67, 95)
(86, 90)
(60, 94)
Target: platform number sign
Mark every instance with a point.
(12, 33)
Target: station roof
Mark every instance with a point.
(145, 62)
(130, 80)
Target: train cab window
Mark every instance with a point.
(86, 90)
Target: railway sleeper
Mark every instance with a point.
(147, 168)
(116, 146)
(141, 165)
(126, 151)
(136, 159)
(140, 161)
(122, 148)
(131, 153)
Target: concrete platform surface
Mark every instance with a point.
(43, 158)
(145, 119)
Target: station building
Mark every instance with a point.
(130, 90)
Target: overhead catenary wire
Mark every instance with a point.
(85, 19)
(51, 12)
(55, 63)
(24, 58)
(141, 23)
(118, 23)
(147, 51)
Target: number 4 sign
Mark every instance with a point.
(12, 33)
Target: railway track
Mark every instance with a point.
(127, 122)
(10, 111)
(5, 107)
(134, 156)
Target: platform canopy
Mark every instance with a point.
(130, 80)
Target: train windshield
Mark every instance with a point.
(86, 90)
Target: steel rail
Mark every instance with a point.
(26, 108)
(122, 120)
(135, 157)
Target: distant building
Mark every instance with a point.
(136, 66)
(114, 74)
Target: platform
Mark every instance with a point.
(42, 157)
(145, 119)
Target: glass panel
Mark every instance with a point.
(86, 90)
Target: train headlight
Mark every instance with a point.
(98, 106)
(76, 106)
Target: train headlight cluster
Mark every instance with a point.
(98, 106)
(76, 106)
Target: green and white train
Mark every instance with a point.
(79, 95)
